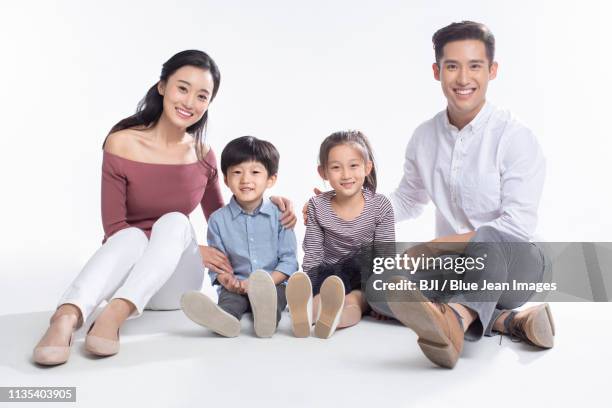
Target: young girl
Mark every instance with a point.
(340, 223)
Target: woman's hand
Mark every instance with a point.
(288, 219)
(305, 208)
(215, 260)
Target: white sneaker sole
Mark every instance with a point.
(202, 310)
(262, 296)
(332, 302)
(299, 299)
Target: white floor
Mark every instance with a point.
(166, 361)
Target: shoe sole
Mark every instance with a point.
(332, 302)
(200, 309)
(262, 296)
(299, 293)
(411, 309)
(541, 327)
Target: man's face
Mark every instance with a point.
(464, 73)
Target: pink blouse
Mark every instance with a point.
(136, 194)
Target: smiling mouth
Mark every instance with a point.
(464, 91)
(246, 189)
(183, 113)
(348, 185)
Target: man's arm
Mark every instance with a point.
(523, 169)
(410, 196)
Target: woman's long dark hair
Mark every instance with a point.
(150, 108)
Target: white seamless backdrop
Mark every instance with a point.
(291, 73)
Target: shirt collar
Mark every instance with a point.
(477, 123)
(266, 207)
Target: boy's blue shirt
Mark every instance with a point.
(253, 241)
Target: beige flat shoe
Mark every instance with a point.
(52, 355)
(100, 346)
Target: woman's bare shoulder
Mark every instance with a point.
(123, 142)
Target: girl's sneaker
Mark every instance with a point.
(299, 299)
(332, 302)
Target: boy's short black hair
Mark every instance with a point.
(465, 30)
(249, 148)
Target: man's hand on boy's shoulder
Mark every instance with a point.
(288, 218)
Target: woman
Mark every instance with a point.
(155, 171)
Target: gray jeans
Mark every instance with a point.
(237, 305)
(508, 259)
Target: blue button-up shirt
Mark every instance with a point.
(253, 241)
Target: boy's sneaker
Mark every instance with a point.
(299, 299)
(330, 309)
(262, 296)
(203, 311)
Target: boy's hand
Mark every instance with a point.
(288, 218)
(305, 208)
(244, 287)
(229, 282)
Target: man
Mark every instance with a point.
(484, 171)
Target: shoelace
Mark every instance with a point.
(515, 330)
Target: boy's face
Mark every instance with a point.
(248, 181)
(464, 73)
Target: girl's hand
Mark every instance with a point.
(215, 260)
(288, 219)
(305, 208)
(378, 316)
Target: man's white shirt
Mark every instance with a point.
(491, 172)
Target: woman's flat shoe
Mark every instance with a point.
(52, 355)
(100, 346)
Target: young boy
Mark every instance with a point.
(261, 251)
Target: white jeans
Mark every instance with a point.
(152, 274)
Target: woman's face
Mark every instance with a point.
(186, 93)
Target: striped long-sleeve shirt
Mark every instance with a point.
(330, 238)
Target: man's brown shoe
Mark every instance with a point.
(533, 325)
(438, 327)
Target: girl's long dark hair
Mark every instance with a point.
(150, 108)
(355, 138)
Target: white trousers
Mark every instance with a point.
(152, 274)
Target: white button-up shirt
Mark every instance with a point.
(491, 172)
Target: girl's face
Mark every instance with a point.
(186, 95)
(346, 169)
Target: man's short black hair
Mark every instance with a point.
(249, 148)
(465, 30)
